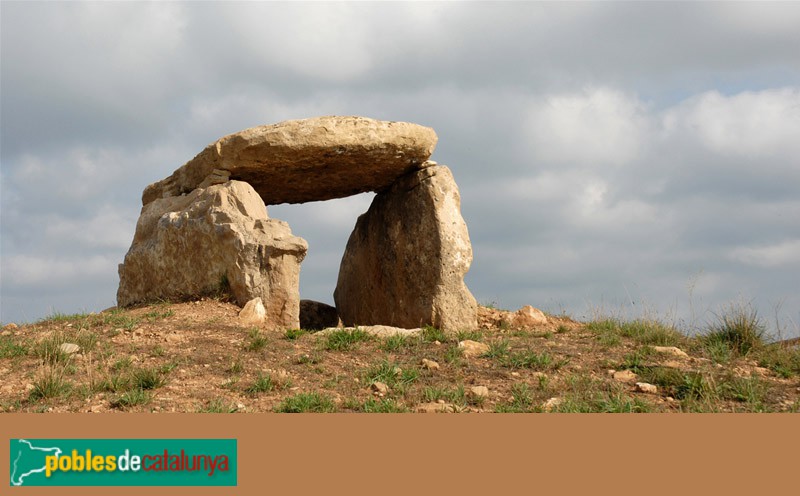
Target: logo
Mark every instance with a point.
(123, 462)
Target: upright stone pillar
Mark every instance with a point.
(405, 261)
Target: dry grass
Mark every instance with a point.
(195, 357)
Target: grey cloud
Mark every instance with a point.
(629, 200)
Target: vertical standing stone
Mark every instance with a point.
(405, 261)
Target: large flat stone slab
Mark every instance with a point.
(306, 160)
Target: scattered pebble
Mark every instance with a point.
(69, 348)
(479, 391)
(436, 408)
(644, 387)
(552, 403)
(472, 348)
(761, 371)
(671, 350)
(430, 364)
(624, 376)
(379, 388)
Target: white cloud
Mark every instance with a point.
(333, 215)
(108, 227)
(326, 41)
(762, 124)
(780, 255)
(598, 127)
(30, 271)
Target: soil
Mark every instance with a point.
(207, 361)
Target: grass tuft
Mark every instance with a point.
(50, 384)
(431, 334)
(9, 348)
(262, 384)
(385, 405)
(292, 334)
(390, 374)
(217, 405)
(498, 349)
(345, 339)
(395, 343)
(257, 341)
(132, 398)
(147, 378)
(739, 327)
(521, 400)
(307, 403)
(783, 361)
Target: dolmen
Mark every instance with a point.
(205, 230)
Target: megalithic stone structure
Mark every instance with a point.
(206, 225)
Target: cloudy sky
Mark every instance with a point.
(632, 158)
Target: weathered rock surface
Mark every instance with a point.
(436, 408)
(646, 387)
(379, 388)
(481, 392)
(470, 348)
(528, 316)
(489, 317)
(211, 239)
(671, 350)
(624, 376)
(306, 160)
(315, 315)
(405, 261)
(253, 312)
(378, 331)
(69, 348)
(430, 364)
(552, 404)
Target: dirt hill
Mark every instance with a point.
(197, 357)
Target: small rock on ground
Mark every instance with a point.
(624, 376)
(479, 391)
(69, 348)
(430, 364)
(379, 388)
(644, 387)
(436, 408)
(552, 403)
(379, 331)
(472, 348)
(528, 316)
(253, 312)
(671, 350)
